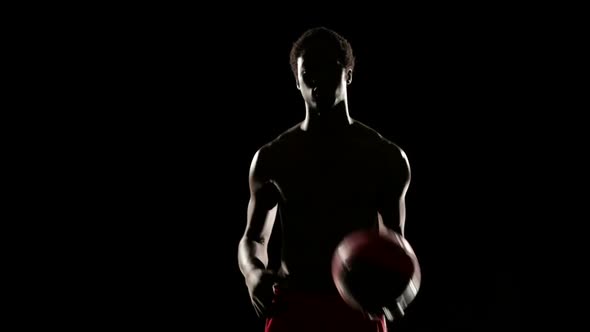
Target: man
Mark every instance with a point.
(325, 177)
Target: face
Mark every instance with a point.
(322, 80)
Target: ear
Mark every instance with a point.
(297, 83)
(348, 76)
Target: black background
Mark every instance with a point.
(168, 108)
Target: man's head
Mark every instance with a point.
(322, 62)
(322, 38)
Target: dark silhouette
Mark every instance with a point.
(323, 179)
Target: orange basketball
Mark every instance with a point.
(376, 272)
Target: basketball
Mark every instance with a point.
(376, 272)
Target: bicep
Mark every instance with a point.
(262, 206)
(394, 184)
(261, 217)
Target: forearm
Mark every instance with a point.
(252, 256)
(391, 219)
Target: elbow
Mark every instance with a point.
(251, 255)
(388, 222)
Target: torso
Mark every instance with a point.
(328, 186)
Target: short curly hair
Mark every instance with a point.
(324, 38)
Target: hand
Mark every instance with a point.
(260, 285)
(390, 314)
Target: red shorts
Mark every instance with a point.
(311, 312)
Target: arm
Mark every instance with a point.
(396, 177)
(252, 248)
(395, 180)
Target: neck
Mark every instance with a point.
(334, 118)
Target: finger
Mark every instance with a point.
(263, 301)
(259, 308)
(374, 316)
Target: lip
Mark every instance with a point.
(317, 94)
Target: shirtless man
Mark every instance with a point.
(325, 177)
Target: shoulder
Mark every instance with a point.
(267, 155)
(291, 135)
(380, 142)
(271, 150)
(389, 150)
